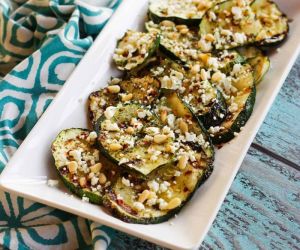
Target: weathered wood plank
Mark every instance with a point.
(261, 210)
(280, 131)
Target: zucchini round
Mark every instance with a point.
(169, 188)
(134, 138)
(78, 162)
(178, 11)
(134, 50)
(274, 22)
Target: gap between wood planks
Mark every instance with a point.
(275, 156)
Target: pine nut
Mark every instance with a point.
(72, 166)
(204, 58)
(91, 175)
(195, 69)
(126, 98)
(96, 168)
(217, 76)
(102, 178)
(144, 196)
(168, 148)
(175, 202)
(163, 116)
(82, 181)
(159, 139)
(114, 89)
(183, 162)
(167, 23)
(115, 146)
(203, 75)
(183, 126)
(129, 130)
(209, 37)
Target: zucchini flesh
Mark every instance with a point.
(259, 62)
(80, 164)
(178, 11)
(230, 24)
(144, 90)
(274, 22)
(134, 49)
(167, 188)
(130, 138)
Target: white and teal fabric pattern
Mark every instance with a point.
(41, 42)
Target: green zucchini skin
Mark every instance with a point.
(239, 122)
(71, 134)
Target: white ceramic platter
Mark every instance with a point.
(26, 172)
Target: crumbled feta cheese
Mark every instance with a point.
(162, 204)
(153, 185)
(85, 199)
(138, 206)
(171, 120)
(152, 201)
(163, 187)
(239, 38)
(92, 136)
(126, 182)
(190, 137)
(76, 154)
(236, 68)
(213, 62)
(94, 181)
(237, 13)
(152, 130)
(52, 183)
(142, 114)
(110, 112)
(177, 173)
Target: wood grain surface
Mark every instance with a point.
(262, 208)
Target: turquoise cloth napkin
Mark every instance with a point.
(41, 42)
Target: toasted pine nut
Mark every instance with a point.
(129, 130)
(72, 166)
(217, 76)
(126, 98)
(175, 202)
(163, 116)
(203, 75)
(96, 168)
(168, 148)
(82, 181)
(204, 58)
(167, 23)
(195, 69)
(102, 178)
(159, 139)
(183, 162)
(115, 146)
(241, 3)
(91, 175)
(184, 31)
(209, 37)
(144, 196)
(114, 89)
(183, 126)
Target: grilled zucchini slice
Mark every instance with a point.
(80, 165)
(259, 62)
(231, 24)
(169, 188)
(134, 50)
(178, 11)
(178, 42)
(274, 22)
(239, 89)
(134, 138)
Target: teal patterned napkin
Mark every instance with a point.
(41, 42)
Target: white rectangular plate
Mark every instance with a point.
(32, 162)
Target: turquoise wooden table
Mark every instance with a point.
(262, 208)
